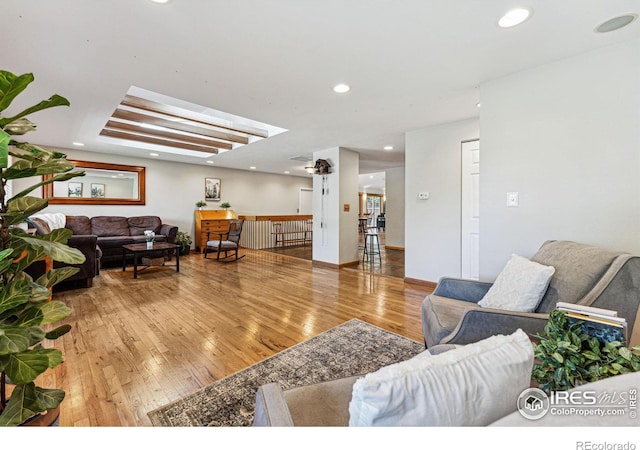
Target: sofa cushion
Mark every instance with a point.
(109, 242)
(78, 224)
(138, 225)
(578, 268)
(519, 287)
(472, 385)
(109, 226)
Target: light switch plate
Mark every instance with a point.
(424, 195)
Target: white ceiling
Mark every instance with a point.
(411, 64)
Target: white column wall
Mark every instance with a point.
(566, 137)
(335, 231)
(394, 207)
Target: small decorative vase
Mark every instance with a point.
(149, 244)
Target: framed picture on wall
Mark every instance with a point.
(74, 189)
(97, 190)
(212, 189)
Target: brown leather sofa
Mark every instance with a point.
(100, 239)
(115, 231)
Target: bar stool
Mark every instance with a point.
(371, 246)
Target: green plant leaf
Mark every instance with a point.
(26, 401)
(13, 294)
(14, 339)
(56, 250)
(558, 357)
(58, 332)
(18, 209)
(4, 149)
(11, 86)
(25, 366)
(44, 313)
(53, 101)
(60, 177)
(591, 355)
(625, 353)
(20, 127)
(55, 276)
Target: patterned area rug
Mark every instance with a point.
(353, 348)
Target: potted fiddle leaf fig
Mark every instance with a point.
(27, 313)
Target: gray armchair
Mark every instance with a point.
(585, 275)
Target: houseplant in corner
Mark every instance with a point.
(26, 313)
(567, 356)
(184, 241)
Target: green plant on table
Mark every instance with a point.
(201, 204)
(567, 356)
(26, 313)
(225, 205)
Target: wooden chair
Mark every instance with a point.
(227, 241)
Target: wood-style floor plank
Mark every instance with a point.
(138, 344)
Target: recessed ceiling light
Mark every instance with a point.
(616, 23)
(153, 154)
(79, 144)
(478, 105)
(514, 17)
(160, 1)
(371, 177)
(252, 167)
(341, 88)
(388, 147)
(287, 172)
(209, 162)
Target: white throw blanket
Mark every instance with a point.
(54, 220)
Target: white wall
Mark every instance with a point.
(432, 227)
(173, 189)
(335, 231)
(394, 207)
(566, 137)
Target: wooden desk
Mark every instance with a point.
(213, 220)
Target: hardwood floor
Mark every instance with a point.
(138, 344)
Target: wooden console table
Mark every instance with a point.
(211, 220)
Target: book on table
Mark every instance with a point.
(603, 324)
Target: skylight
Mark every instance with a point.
(152, 121)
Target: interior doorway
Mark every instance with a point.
(470, 211)
(305, 205)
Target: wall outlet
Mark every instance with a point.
(424, 195)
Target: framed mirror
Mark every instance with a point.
(103, 184)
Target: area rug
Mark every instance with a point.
(353, 348)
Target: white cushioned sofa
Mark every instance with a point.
(471, 385)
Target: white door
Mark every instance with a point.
(305, 205)
(470, 226)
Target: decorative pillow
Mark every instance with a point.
(519, 287)
(472, 385)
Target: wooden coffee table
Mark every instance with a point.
(139, 250)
